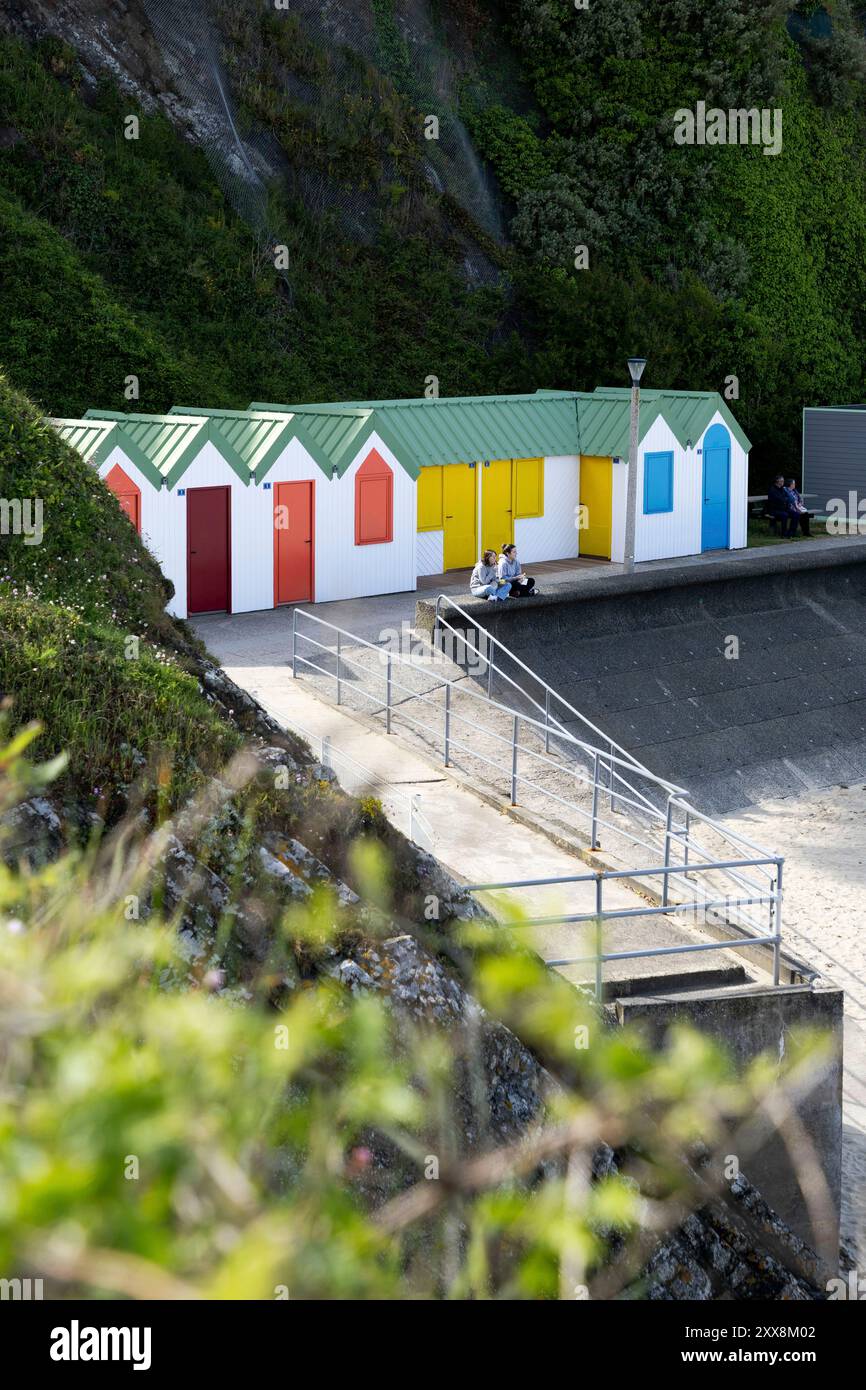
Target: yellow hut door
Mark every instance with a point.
(460, 516)
(497, 504)
(596, 501)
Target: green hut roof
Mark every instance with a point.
(421, 433)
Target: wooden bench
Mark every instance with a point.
(758, 508)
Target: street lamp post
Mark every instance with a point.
(635, 366)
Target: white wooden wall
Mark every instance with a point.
(553, 536)
(163, 527)
(249, 563)
(619, 488)
(345, 570)
(342, 568)
(663, 535)
(430, 552)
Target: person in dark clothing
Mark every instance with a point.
(803, 515)
(780, 507)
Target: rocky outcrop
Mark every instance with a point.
(31, 833)
(421, 987)
(738, 1248)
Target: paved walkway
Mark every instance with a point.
(471, 838)
(380, 614)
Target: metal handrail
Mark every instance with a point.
(601, 915)
(747, 867)
(469, 693)
(596, 820)
(549, 690)
(612, 761)
(679, 792)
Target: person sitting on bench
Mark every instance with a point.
(804, 516)
(780, 508)
(485, 582)
(509, 571)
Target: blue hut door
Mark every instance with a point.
(716, 510)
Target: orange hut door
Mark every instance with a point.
(127, 493)
(293, 542)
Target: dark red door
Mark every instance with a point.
(293, 542)
(207, 534)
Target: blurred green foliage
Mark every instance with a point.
(167, 1134)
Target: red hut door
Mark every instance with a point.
(208, 551)
(127, 494)
(293, 542)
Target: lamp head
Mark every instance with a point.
(636, 366)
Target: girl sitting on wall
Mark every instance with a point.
(508, 569)
(485, 582)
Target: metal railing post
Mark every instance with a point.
(666, 877)
(339, 647)
(489, 670)
(326, 751)
(610, 774)
(547, 719)
(388, 697)
(514, 736)
(593, 842)
(599, 940)
(777, 945)
(294, 642)
(688, 829)
(448, 725)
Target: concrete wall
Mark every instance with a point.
(740, 679)
(750, 1022)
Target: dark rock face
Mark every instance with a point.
(114, 38)
(422, 988)
(737, 1247)
(31, 833)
